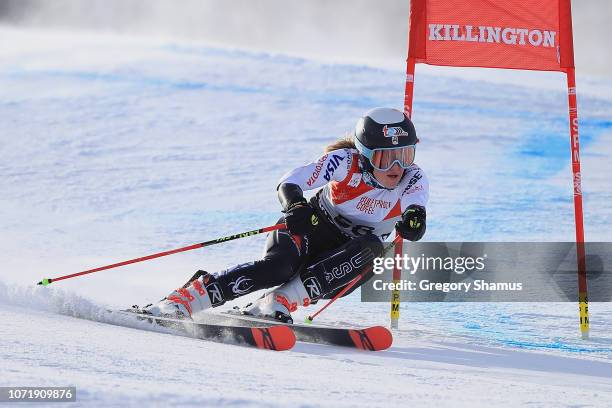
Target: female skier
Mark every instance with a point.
(370, 186)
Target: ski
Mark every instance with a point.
(278, 337)
(374, 338)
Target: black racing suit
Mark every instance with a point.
(325, 253)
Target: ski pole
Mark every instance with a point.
(48, 281)
(352, 283)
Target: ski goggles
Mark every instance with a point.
(384, 158)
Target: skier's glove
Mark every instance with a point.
(300, 218)
(412, 224)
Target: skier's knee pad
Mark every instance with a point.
(337, 268)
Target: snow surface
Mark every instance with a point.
(116, 147)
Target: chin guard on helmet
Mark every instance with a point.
(367, 172)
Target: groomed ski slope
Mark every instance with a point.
(116, 147)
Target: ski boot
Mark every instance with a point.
(280, 302)
(198, 294)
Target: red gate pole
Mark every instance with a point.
(583, 302)
(399, 243)
(409, 90)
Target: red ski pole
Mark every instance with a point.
(352, 283)
(48, 281)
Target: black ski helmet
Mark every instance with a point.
(384, 128)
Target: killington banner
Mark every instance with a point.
(518, 34)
